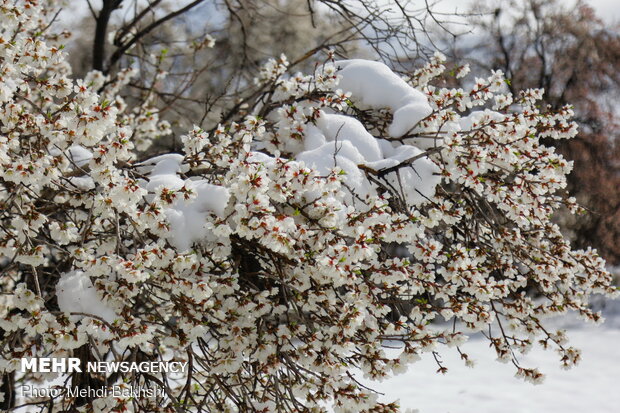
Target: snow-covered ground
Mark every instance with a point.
(490, 387)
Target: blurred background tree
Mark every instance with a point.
(212, 50)
(574, 55)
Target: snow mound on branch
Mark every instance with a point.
(187, 217)
(376, 86)
(332, 139)
(79, 155)
(343, 155)
(84, 183)
(341, 141)
(163, 172)
(76, 294)
(169, 163)
(415, 182)
(260, 157)
(346, 128)
(395, 156)
(313, 138)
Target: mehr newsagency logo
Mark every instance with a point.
(75, 365)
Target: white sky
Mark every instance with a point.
(609, 10)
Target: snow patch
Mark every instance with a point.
(76, 294)
(416, 183)
(346, 128)
(313, 138)
(260, 157)
(84, 183)
(169, 163)
(79, 155)
(376, 86)
(187, 218)
(343, 155)
(163, 171)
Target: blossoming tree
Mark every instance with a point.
(278, 254)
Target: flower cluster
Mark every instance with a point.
(282, 251)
